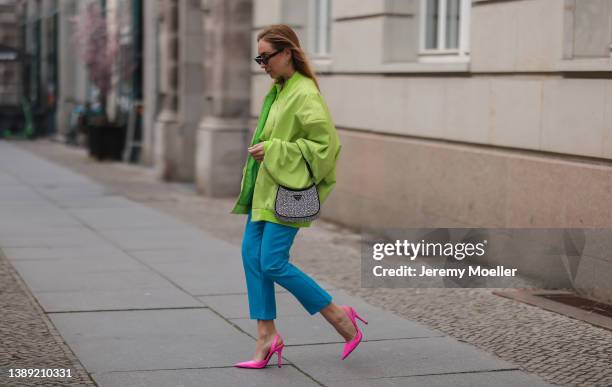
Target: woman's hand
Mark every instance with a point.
(257, 151)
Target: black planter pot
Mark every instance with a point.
(114, 140)
(94, 142)
(106, 141)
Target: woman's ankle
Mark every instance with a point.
(266, 329)
(266, 336)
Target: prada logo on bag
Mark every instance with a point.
(297, 197)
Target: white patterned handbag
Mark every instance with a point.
(296, 206)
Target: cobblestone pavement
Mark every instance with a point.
(28, 339)
(559, 349)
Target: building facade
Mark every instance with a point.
(12, 61)
(463, 113)
(477, 104)
(11, 57)
(37, 28)
(56, 80)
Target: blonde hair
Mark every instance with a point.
(281, 36)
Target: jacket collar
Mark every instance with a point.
(289, 82)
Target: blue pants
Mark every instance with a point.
(265, 257)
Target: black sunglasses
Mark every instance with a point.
(263, 59)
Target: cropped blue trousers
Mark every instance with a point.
(265, 257)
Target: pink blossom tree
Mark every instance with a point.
(97, 47)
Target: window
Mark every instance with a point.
(320, 27)
(445, 28)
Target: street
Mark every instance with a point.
(143, 281)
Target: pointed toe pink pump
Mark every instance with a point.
(262, 363)
(354, 342)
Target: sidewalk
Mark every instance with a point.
(144, 299)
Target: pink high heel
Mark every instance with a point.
(354, 342)
(264, 362)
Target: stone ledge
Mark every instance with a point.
(585, 65)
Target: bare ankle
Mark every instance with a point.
(340, 315)
(267, 335)
(266, 329)
(333, 313)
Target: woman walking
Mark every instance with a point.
(295, 143)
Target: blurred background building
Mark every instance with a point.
(12, 63)
(452, 113)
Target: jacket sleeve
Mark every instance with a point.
(286, 160)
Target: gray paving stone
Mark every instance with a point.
(152, 339)
(272, 376)
(205, 277)
(155, 238)
(213, 268)
(208, 250)
(35, 216)
(19, 194)
(70, 189)
(76, 266)
(8, 180)
(41, 174)
(23, 228)
(173, 255)
(89, 252)
(57, 281)
(107, 201)
(135, 216)
(472, 379)
(391, 358)
(29, 167)
(73, 235)
(204, 273)
(116, 300)
(32, 204)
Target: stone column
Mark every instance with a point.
(167, 128)
(67, 68)
(150, 85)
(191, 83)
(223, 134)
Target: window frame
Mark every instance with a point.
(319, 32)
(460, 54)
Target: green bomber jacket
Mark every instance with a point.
(293, 118)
